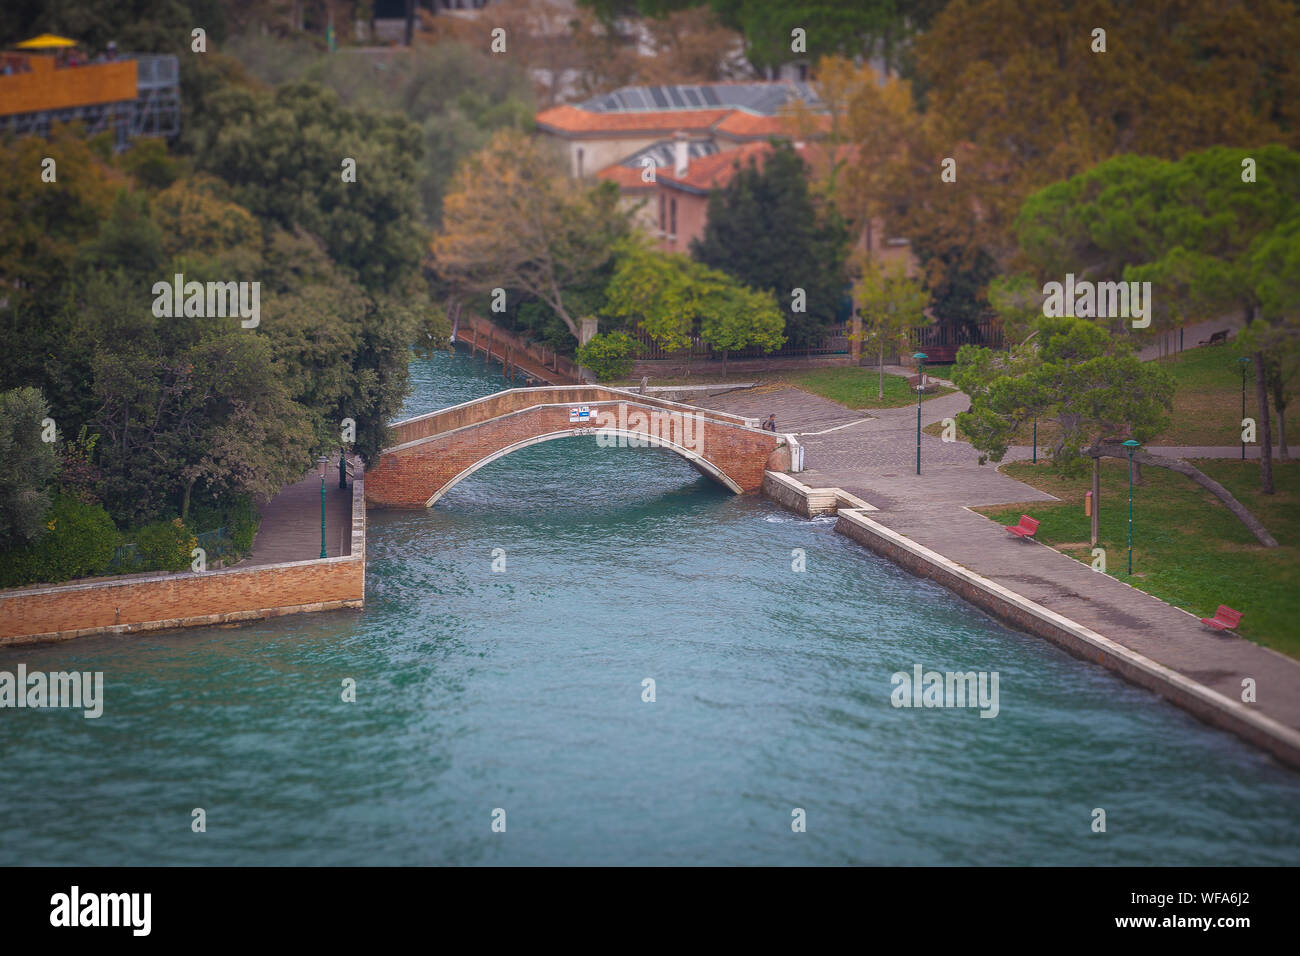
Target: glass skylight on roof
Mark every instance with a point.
(762, 98)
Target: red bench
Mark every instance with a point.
(1026, 529)
(1225, 619)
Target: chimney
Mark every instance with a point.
(681, 153)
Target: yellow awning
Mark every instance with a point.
(46, 41)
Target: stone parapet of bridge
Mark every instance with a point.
(432, 453)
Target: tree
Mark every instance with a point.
(457, 94)
(654, 292)
(608, 355)
(1274, 263)
(891, 304)
(861, 29)
(370, 227)
(30, 466)
(1091, 385)
(673, 298)
(734, 317)
(196, 406)
(1024, 85)
(863, 122)
(1017, 303)
(765, 230)
(129, 241)
(513, 220)
(45, 222)
(195, 219)
(1207, 239)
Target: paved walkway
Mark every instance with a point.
(1018, 452)
(876, 460)
(795, 410)
(290, 528)
(1193, 335)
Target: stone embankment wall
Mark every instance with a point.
(189, 599)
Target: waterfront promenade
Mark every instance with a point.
(290, 526)
(874, 458)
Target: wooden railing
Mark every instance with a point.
(515, 353)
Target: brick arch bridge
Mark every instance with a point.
(432, 453)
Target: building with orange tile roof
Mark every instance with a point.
(667, 148)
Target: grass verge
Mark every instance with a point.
(855, 387)
(1207, 400)
(1188, 549)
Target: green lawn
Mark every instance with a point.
(852, 386)
(1188, 549)
(856, 387)
(1207, 401)
(940, 371)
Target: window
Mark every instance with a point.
(579, 162)
(663, 224)
(672, 207)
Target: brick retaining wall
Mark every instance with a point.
(189, 599)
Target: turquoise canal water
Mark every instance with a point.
(522, 690)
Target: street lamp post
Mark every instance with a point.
(1130, 445)
(1035, 441)
(324, 462)
(1243, 361)
(920, 378)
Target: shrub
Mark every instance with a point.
(608, 355)
(237, 515)
(78, 542)
(241, 522)
(165, 545)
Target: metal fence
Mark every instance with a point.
(834, 342)
(945, 339)
(216, 544)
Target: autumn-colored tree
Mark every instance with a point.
(863, 124)
(891, 303)
(195, 220)
(884, 172)
(513, 220)
(1027, 90)
(691, 46)
(44, 221)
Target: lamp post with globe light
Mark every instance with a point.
(920, 377)
(323, 462)
(1131, 445)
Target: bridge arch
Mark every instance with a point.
(699, 461)
(435, 452)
